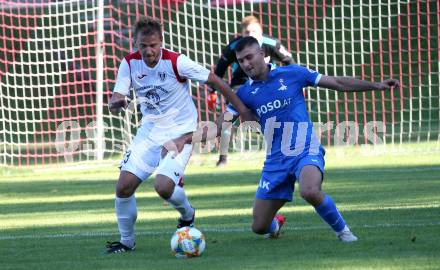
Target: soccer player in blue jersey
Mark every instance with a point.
(276, 97)
(294, 153)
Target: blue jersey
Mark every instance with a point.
(280, 105)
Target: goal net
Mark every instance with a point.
(59, 59)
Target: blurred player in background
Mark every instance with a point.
(294, 153)
(274, 52)
(160, 79)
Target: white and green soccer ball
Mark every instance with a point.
(187, 242)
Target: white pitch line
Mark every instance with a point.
(206, 230)
(399, 169)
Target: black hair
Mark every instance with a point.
(246, 42)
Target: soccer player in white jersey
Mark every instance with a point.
(160, 79)
(294, 153)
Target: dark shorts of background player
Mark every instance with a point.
(279, 184)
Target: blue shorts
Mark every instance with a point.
(279, 184)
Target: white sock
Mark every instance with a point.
(126, 213)
(346, 229)
(180, 202)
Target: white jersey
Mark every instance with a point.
(163, 91)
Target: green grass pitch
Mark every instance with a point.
(61, 217)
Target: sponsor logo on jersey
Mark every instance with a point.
(264, 184)
(152, 99)
(255, 91)
(273, 105)
(148, 87)
(141, 76)
(162, 76)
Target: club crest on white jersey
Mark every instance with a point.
(163, 88)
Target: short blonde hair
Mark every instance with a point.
(148, 25)
(246, 21)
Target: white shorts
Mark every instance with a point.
(143, 157)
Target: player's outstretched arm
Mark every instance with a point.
(117, 102)
(217, 83)
(350, 84)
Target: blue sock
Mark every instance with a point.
(273, 226)
(330, 214)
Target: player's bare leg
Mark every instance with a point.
(310, 189)
(175, 195)
(310, 185)
(164, 186)
(265, 218)
(127, 184)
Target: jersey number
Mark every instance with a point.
(127, 156)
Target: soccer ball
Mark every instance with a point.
(187, 242)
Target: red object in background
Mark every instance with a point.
(174, 1)
(222, 3)
(212, 98)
